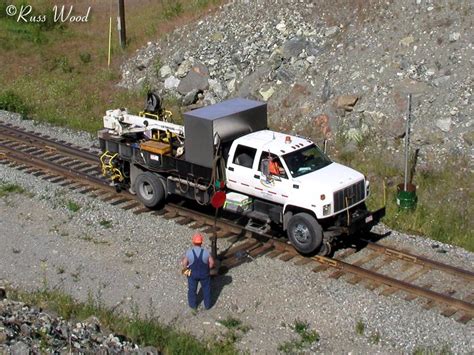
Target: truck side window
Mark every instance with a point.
(244, 156)
(274, 165)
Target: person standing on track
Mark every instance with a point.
(199, 262)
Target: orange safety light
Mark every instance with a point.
(323, 197)
(287, 139)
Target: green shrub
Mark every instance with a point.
(444, 350)
(375, 338)
(306, 338)
(3, 8)
(6, 189)
(11, 101)
(73, 206)
(234, 323)
(85, 57)
(105, 223)
(230, 322)
(62, 62)
(360, 327)
(173, 10)
(157, 65)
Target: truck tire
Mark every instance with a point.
(305, 233)
(149, 189)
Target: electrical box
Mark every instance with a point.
(222, 122)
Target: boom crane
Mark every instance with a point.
(121, 123)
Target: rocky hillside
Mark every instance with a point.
(340, 70)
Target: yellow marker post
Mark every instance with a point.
(110, 40)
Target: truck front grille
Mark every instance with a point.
(354, 193)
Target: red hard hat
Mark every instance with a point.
(197, 238)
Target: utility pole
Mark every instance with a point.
(121, 24)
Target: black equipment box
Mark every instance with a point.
(229, 120)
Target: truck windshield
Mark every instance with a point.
(306, 160)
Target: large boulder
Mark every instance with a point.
(171, 83)
(196, 79)
(346, 102)
(295, 46)
(386, 126)
(184, 68)
(190, 98)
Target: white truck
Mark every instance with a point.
(271, 178)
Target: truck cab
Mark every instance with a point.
(306, 190)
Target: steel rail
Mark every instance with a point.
(401, 285)
(18, 133)
(23, 157)
(420, 260)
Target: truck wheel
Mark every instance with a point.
(149, 189)
(305, 233)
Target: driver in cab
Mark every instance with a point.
(274, 166)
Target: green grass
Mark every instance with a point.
(307, 337)
(105, 223)
(234, 323)
(172, 9)
(444, 350)
(145, 331)
(375, 338)
(236, 329)
(73, 206)
(445, 196)
(360, 327)
(7, 188)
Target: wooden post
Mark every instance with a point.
(121, 24)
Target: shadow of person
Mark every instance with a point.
(217, 285)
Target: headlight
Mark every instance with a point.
(326, 209)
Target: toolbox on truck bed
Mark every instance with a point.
(228, 120)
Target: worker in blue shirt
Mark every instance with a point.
(199, 262)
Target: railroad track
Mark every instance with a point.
(381, 268)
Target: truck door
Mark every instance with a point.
(275, 185)
(240, 169)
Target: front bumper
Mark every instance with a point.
(364, 220)
(357, 221)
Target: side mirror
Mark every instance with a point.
(264, 167)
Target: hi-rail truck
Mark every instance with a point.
(228, 146)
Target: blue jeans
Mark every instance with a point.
(206, 290)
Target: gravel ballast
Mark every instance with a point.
(128, 260)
